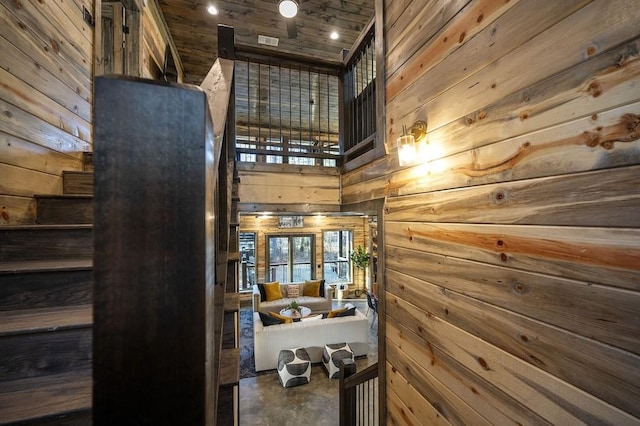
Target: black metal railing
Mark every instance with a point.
(358, 395)
(287, 111)
(359, 98)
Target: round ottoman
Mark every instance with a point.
(294, 367)
(332, 355)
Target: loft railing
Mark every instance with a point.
(359, 98)
(287, 110)
(358, 395)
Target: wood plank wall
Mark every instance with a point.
(288, 188)
(46, 96)
(513, 257)
(264, 226)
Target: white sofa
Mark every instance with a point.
(316, 304)
(312, 335)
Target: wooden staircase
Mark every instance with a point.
(46, 319)
(46, 315)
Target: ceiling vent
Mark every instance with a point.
(269, 41)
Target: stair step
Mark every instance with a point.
(45, 353)
(45, 319)
(64, 209)
(44, 284)
(229, 367)
(40, 242)
(43, 342)
(74, 182)
(55, 397)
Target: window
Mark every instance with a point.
(337, 246)
(290, 258)
(247, 260)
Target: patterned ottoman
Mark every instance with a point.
(294, 367)
(332, 355)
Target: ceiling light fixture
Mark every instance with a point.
(288, 8)
(334, 35)
(212, 10)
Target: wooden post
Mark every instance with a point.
(347, 396)
(154, 259)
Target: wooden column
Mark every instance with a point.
(154, 255)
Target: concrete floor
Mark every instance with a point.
(263, 401)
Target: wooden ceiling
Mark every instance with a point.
(194, 31)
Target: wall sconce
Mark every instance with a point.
(412, 145)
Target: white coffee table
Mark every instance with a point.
(304, 312)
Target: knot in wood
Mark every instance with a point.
(595, 89)
(519, 288)
(592, 139)
(483, 363)
(499, 197)
(632, 122)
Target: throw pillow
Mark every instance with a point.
(293, 291)
(312, 318)
(347, 313)
(268, 320)
(282, 318)
(273, 291)
(311, 288)
(263, 294)
(335, 312)
(321, 289)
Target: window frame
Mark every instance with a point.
(290, 254)
(348, 262)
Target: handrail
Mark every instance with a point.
(358, 403)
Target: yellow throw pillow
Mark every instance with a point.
(282, 318)
(311, 288)
(273, 291)
(333, 314)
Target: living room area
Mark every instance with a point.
(325, 265)
(263, 400)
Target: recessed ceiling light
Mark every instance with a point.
(288, 8)
(212, 10)
(334, 35)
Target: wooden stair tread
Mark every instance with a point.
(39, 397)
(229, 367)
(77, 172)
(46, 227)
(63, 196)
(45, 319)
(231, 302)
(45, 265)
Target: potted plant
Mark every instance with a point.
(293, 306)
(360, 259)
